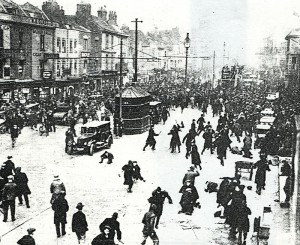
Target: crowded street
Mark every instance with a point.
(100, 188)
(149, 122)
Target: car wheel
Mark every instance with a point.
(92, 149)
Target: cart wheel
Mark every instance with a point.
(91, 150)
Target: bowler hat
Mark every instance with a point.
(79, 206)
(31, 230)
(9, 157)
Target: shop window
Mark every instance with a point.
(42, 42)
(106, 62)
(21, 68)
(75, 66)
(85, 64)
(71, 66)
(106, 41)
(41, 68)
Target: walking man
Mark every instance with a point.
(9, 195)
(21, 181)
(128, 175)
(188, 138)
(260, 176)
(79, 223)
(60, 207)
(114, 227)
(57, 188)
(150, 140)
(158, 198)
(149, 223)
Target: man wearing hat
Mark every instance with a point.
(149, 224)
(104, 238)
(57, 188)
(158, 198)
(128, 175)
(107, 155)
(9, 195)
(150, 139)
(21, 181)
(27, 239)
(60, 207)
(7, 168)
(114, 225)
(79, 223)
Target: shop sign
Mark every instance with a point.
(85, 54)
(47, 74)
(51, 56)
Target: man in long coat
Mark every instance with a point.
(260, 176)
(188, 138)
(114, 225)
(9, 195)
(60, 207)
(7, 168)
(158, 198)
(79, 223)
(128, 175)
(21, 181)
(150, 140)
(195, 156)
(188, 198)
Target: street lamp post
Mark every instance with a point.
(187, 43)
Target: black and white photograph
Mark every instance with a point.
(164, 122)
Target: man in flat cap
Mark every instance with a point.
(9, 195)
(27, 239)
(114, 225)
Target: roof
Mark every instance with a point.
(295, 33)
(73, 25)
(134, 92)
(33, 11)
(103, 25)
(94, 124)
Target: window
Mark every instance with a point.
(112, 62)
(63, 64)
(21, 34)
(75, 46)
(21, 67)
(106, 41)
(58, 73)
(106, 62)
(112, 41)
(85, 44)
(58, 45)
(71, 66)
(85, 64)
(1, 38)
(294, 62)
(63, 45)
(41, 67)
(42, 42)
(75, 66)
(1, 67)
(71, 46)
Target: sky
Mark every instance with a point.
(241, 24)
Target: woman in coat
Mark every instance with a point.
(21, 181)
(242, 222)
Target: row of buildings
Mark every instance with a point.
(44, 51)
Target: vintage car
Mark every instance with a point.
(260, 132)
(155, 112)
(60, 114)
(267, 120)
(94, 135)
(267, 112)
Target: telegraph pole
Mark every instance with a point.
(121, 80)
(136, 21)
(214, 63)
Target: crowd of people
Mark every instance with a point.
(238, 111)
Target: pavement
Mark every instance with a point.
(100, 188)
